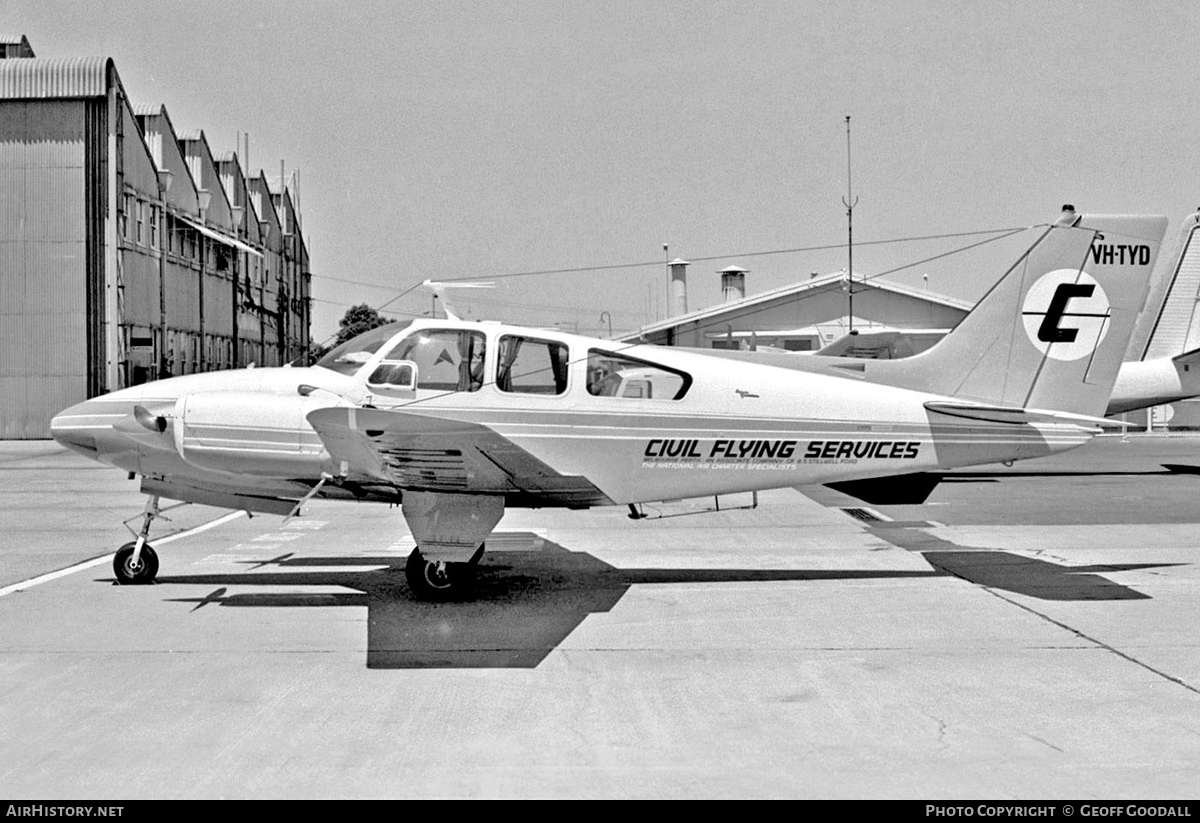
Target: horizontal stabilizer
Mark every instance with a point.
(882, 344)
(1012, 414)
(1188, 358)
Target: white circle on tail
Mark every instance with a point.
(1066, 314)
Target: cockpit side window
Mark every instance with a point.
(447, 360)
(527, 365)
(349, 357)
(616, 375)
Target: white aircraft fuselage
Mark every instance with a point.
(737, 428)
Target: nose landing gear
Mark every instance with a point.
(134, 566)
(136, 563)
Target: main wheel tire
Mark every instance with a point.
(130, 574)
(439, 582)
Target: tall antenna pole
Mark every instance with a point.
(850, 202)
(667, 263)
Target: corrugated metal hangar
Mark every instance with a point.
(128, 251)
(803, 316)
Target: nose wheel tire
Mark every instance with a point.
(133, 574)
(440, 581)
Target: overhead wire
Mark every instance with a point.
(1009, 233)
(378, 309)
(622, 347)
(828, 247)
(1002, 233)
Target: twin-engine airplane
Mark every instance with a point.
(457, 420)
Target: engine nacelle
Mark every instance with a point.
(250, 433)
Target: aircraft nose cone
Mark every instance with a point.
(87, 428)
(75, 427)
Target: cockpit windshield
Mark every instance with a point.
(350, 356)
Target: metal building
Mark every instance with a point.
(803, 316)
(127, 251)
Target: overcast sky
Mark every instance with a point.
(476, 139)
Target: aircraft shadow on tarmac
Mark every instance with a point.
(994, 476)
(527, 603)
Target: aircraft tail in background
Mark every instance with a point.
(1170, 324)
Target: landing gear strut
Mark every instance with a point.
(136, 563)
(439, 581)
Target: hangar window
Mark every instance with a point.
(125, 216)
(528, 365)
(617, 375)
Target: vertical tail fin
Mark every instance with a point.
(1052, 333)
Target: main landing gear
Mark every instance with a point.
(136, 563)
(439, 581)
(445, 527)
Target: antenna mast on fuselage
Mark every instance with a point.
(440, 292)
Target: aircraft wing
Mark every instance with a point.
(424, 453)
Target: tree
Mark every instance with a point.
(316, 351)
(357, 320)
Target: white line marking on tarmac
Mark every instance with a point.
(87, 564)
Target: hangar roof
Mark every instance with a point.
(54, 78)
(797, 290)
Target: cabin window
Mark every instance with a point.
(528, 365)
(615, 375)
(392, 374)
(447, 360)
